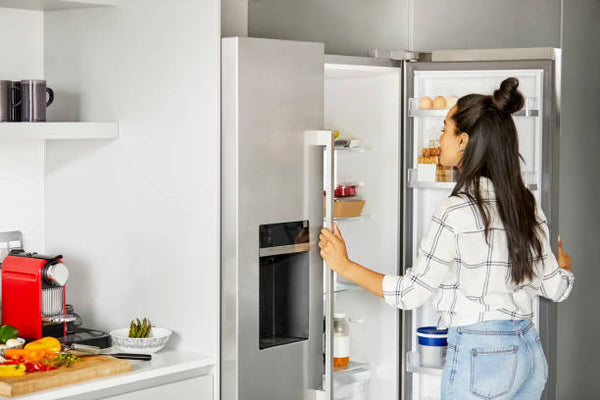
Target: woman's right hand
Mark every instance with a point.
(564, 259)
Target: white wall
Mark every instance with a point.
(21, 161)
(137, 218)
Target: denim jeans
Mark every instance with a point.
(499, 359)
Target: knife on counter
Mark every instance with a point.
(83, 350)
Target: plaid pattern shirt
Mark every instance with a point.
(467, 280)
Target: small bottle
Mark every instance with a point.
(341, 340)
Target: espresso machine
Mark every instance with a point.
(33, 294)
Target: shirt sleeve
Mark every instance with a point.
(556, 283)
(437, 253)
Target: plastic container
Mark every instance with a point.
(352, 383)
(341, 340)
(432, 346)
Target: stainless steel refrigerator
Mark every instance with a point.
(279, 101)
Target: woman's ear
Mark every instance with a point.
(463, 140)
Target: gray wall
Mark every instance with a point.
(579, 316)
(353, 27)
(488, 24)
(350, 27)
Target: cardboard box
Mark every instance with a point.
(346, 208)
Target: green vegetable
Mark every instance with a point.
(64, 359)
(8, 332)
(140, 329)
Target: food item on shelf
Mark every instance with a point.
(48, 343)
(140, 329)
(8, 332)
(426, 103)
(439, 103)
(344, 190)
(443, 174)
(336, 134)
(451, 101)
(341, 340)
(428, 160)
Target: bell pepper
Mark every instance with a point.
(25, 354)
(8, 332)
(48, 343)
(12, 370)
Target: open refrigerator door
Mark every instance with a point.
(431, 89)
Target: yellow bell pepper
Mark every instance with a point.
(12, 370)
(48, 343)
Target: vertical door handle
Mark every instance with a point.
(325, 138)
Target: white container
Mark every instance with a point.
(341, 340)
(157, 340)
(432, 346)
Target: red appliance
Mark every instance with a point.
(33, 294)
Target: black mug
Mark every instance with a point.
(8, 101)
(33, 100)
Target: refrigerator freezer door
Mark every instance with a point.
(272, 91)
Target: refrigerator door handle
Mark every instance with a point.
(325, 138)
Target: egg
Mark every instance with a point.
(451, 101)
(426, 103)
(439, 103)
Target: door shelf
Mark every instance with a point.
(50, 5)
(413, 365)
(59, 130)
(351, 149)
(529, 110)
(529, 178)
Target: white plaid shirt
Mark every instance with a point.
(467, 280)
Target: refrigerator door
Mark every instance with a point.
(538, 136)
(272, 285)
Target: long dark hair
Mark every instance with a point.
(493, 152)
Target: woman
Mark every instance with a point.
(484, 258)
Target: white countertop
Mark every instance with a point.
(166, 366)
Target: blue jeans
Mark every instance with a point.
(498, 359)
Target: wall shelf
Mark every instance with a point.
(59, 130)
(52, 5)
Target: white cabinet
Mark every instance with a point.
(200, 388)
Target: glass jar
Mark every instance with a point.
(341, 340)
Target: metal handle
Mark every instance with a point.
(325, 138)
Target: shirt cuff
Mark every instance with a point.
(391, 290)
(570, 279)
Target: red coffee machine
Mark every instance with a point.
(33, 294)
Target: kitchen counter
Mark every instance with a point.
(167, 366)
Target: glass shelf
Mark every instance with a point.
(345, 286)
(529, 110)
(413, 365)
(351, 149)
(529, 178)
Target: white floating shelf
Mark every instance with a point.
(51, 5)
(59, 130)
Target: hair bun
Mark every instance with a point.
(508, 99)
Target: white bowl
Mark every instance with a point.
(157, 340)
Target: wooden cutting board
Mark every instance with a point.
(87, 368)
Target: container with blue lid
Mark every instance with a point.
(432, 345)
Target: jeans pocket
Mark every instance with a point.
(493, 371)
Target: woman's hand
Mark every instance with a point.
(333, 248)
(564, 259)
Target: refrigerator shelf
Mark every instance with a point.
(529, 110)
(351, 149)
(413, 365)
(529, 178)
(345, 286)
